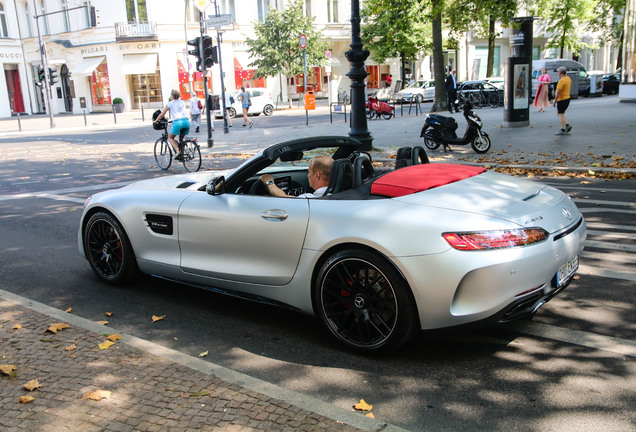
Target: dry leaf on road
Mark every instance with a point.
(96, 395)
(114, 337)
(69, 310)
(70, 347)
(102, 322)
(7, 369)
(156, 318)
(26, 399)
(370, 415)
(55, 327)
(105, 345)
(32, 385)
(203, 354)
(363, 406)
(108, 314)
(17, 327)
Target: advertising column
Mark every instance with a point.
(518, 74)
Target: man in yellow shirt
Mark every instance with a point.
(562, 99)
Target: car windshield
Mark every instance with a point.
(418, 84)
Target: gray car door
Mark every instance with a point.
(245, 238)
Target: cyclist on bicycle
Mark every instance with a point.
(179, 118)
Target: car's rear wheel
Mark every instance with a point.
(364, 302)
(232, 112)
(268, 110)
(108, 249)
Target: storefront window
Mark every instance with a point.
(100, 85)
(146, 90)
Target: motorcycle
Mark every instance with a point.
(377, 108)
(438, 129)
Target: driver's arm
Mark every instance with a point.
(271, 187)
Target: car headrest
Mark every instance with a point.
(341, 176)
(362, 170)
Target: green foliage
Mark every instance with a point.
(118, 101)
(276, 48)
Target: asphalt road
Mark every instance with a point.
(575, 372)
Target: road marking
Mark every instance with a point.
(603, 202)
(605, 210)
(58, 194)
(601, 225)
(608, 273)
(610, 235)
(292, 397)
(610, 245)
(613, 256)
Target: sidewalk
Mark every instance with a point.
(145, 387)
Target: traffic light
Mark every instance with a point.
(93, 16)
(40, 73)
(209, 52)
(196, 51)
(52, 76)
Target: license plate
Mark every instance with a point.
(567, 270)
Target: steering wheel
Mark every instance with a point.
(258, 188)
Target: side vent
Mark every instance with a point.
(185, 185)
(159, 224)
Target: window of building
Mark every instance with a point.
(66, 23)
(226, 7)
(100, 85)
(332, 11)
(136, 11)
(262, 10)
(4, 31)
(481, 54)
(28, 30)
(308, 8)
(44, 20)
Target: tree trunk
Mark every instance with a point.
(289, 93)
(403, 75)
(491, 46)
(441, 100)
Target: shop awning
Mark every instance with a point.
(136, 64)
(88, 65)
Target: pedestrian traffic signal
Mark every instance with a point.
(52, 76)
(93, 16)
(40, 73)
(196, 51)
(210, 56)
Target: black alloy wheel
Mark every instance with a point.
(108, 249)
(364, 302)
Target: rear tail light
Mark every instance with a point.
(497, 239)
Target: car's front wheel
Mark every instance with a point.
(268, 110)
(108, 249)
(232, 112)
(364, 301)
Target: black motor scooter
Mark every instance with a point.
(439, 129)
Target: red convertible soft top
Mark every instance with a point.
(418, 178)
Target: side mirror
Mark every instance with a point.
(216, 186)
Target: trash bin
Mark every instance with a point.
(596, 85)
(310, 100)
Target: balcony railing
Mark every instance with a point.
(137, 31)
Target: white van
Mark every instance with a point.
(580, 86)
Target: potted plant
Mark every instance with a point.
(118, 105)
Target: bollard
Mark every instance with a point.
(85, 124)
(142, 114)
(19, 123)
(115, 114)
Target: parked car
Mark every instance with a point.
(261, 103)
(419, 91)
(380, 257)
(498, 82)
(611, 83)
(481, 87)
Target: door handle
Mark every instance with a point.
(274, 215)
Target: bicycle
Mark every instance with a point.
(163, 150)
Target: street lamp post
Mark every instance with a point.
(356, 56)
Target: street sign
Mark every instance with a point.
(201, 4)
(303, 41)
(218, 21)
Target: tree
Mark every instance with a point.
(395, 28)
(441, 100)
(276, 49)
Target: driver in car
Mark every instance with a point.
(318, 175)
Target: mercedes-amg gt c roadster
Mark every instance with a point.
(386, 253)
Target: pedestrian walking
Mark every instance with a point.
(229, 100)
(244, 97)
(562, 100)
(388, 80)
(196, 108)
(451, 91)
(541, 99)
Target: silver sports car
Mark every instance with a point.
(384, 254)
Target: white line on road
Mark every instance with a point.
(608, 273)
(610, 245)
(611, 235)
(603, 202)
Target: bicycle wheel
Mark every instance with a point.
(493, 100)
(163, 153)
(191, 155)
(475, 100)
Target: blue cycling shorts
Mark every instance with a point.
(178, 124)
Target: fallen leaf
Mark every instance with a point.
(17, 327)
(201, 393)
(96, 395)
(26, 399)
(156, 318)
(370, 415)
(102, 322)
(363, 406)
(7, 369)
(69, 310)
(114, 337)
(105, 345)
(55, 327)
(108, 314)
(32, 385)
(203, 354)
(70, 347)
